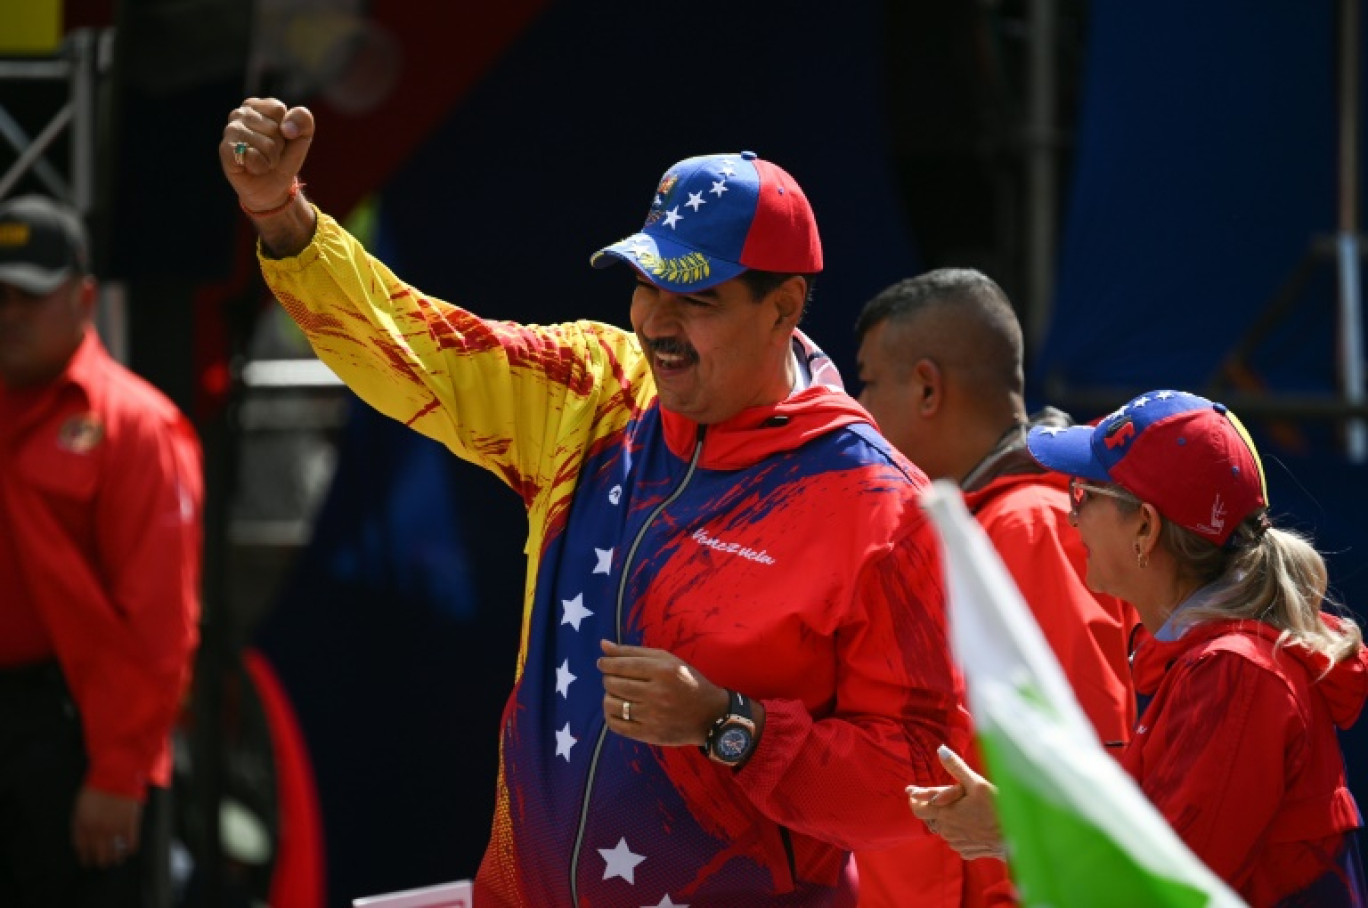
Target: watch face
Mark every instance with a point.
(732, 744)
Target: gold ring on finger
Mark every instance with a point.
(240, 154)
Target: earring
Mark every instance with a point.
(1140, 557)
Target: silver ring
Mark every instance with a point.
(626, 711)
(240, 154)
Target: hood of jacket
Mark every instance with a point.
(1343, 685)
(1003, 482)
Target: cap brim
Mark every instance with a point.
(1066, 451)
(33, 279)
(667, 264)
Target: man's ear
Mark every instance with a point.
(929, 390)
(89, 296)
(788, 302)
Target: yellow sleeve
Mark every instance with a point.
(522, 401)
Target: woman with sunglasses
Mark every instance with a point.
(1242, 678)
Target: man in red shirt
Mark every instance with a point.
(941, 366)
(100, 531)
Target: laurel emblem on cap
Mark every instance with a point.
(685, 269)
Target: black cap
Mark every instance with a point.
(42, 243)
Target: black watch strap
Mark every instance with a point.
(737, 724)
(733, 699)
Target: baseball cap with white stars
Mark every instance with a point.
(716, 216)
(1189, 457)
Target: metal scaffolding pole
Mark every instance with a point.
(1347, 239)
(83, 49)
(79, 66)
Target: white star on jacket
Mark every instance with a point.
(575, 612)
(605, 561)
(565, 741)
(621, 861)
(665, 903)
(564, 679)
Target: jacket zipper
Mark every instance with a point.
(622, 591)
(787, 838)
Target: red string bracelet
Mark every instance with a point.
(295, 186)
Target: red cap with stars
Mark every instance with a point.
(1190, 458)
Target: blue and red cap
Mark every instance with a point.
(716, 216)
(1189, 457)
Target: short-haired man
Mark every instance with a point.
(100, 491)
(733, 653)
(941, 363)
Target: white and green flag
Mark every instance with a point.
(1079, 832)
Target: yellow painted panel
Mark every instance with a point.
(30, 26)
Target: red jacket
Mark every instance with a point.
(100, 500)
(1026, 517)
(1237, 749)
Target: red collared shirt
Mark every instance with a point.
(100, 502)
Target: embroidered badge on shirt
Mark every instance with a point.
(81, 434)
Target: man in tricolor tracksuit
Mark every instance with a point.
(733, 650)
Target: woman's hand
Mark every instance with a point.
(963, 814)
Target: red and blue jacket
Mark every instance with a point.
(1236, 747)
(781, 553)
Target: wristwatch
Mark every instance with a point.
(732, 737)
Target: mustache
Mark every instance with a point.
(670, 346)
